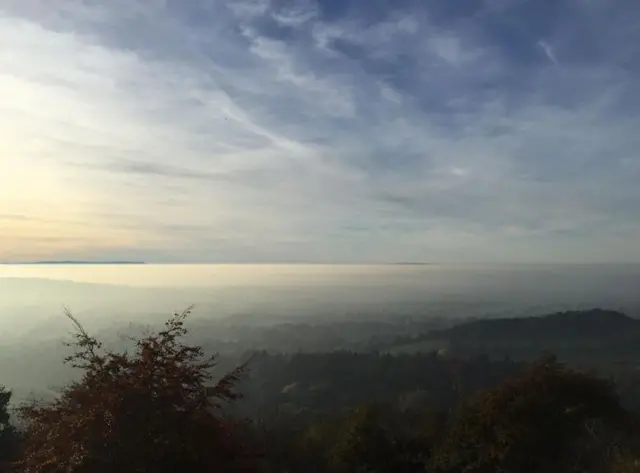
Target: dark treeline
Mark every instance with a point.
(158, 407)
(330, 382)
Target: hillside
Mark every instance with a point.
(591, 324)
(594, 338)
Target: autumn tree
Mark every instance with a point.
(549, 419)
(145, 411)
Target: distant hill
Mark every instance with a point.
(596, 323)
(413, 263)
(584, 338)
(77, 262)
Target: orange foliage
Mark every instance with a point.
(140, 412)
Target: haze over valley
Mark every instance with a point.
(281, 307)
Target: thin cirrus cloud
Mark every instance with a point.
(263, 131)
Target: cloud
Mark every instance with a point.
(257, 130)
(548, 50)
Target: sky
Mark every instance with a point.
(320, 131)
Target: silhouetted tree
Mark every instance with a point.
(546, 420)
(142, 412)
(8, 433)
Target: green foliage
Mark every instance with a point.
(544, 417)
(538, 422)
(365, 444)
(332, 382)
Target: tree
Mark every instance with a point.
(372, 440)
(142, 412)
(8, 433)
(364, 444)
(549, 419)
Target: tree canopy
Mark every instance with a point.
(549, 419)
(137, 412)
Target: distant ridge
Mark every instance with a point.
(413, 263)
(75, 262)
(595, 323)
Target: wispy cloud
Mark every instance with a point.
(548, 50)
(253, 130)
